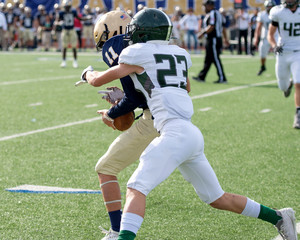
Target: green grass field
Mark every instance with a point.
(249, 141)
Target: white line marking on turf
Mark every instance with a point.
(91, 105)
(97, 118)
(49, 129)
(45, 189)
(232, 89)
(278, 237)
(38, 80)
(35, 104)
(205, 109)
(265, 110)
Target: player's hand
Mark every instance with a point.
(278, 50)
(83, 77)
(113, 95)
(106, 119)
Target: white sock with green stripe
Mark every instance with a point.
(252, 209)
(131, 222)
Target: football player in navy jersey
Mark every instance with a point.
(27, 23)
(67, 16)
(128, 146)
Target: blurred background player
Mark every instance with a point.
(40, 19)
(128, 146)
(57, 27)
(252, 23)
(261, 34)
(67, 16)
(88, 27)
(28, 33)
(286, 18)
(3, 27)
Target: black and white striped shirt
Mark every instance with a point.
(215, 19)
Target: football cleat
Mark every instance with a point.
(110, 234)
(262, 69)
(289, 90)
(75, 64)
(287, 225)
(297, 120)
(63, 64)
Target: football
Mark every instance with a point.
(124, 122)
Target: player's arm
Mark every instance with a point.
(257, 33)
(271, 34)
(98, 79)
(188, 85)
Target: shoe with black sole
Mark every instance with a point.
(219, 81)
(198, 79)
(262, 69)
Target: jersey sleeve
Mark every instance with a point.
(258, 19)
(134, 55)
(273, 14)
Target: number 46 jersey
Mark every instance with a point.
(289, 26)
(164, 79)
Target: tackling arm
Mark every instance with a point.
(98, 79)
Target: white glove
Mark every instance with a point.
(89, 68)
(80, 83)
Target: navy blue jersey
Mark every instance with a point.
(132, 99)
(28, 22)
(41, 18)
(68, 18)
(89, 19)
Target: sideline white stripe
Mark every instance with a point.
(38, 80)
(49, 129)
(232, 89)
(97, 118)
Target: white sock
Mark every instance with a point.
(252, 209)
(131, 222)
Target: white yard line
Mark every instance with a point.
(232, 89)
(38, 80)
(97, 118)
(49, 129)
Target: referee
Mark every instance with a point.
(213, 30)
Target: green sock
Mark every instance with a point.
(126, 235)
(269, 215)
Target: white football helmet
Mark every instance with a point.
(110, 24)
(66, 3)
(290, 3)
